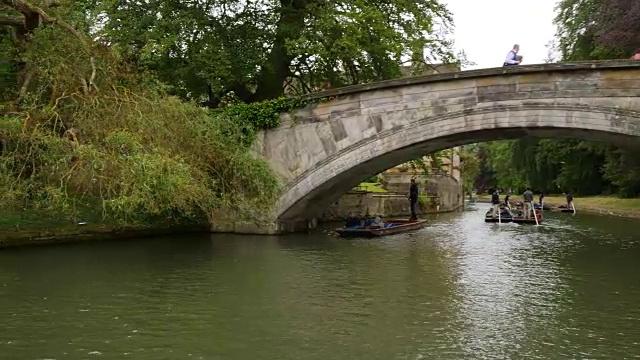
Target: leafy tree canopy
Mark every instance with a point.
(206, 48)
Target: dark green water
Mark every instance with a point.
(457, 289)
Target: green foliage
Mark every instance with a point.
(371, 187)
(7, 70)
(420, 164)
(425, 200)
(576, 34)
(499, 155)
(597, 29)
(435, 160)
(204, 49)
(469, 166)
(431, 163)
(251, 118)
(375, 179)
(548, 165)
(622, 169)
(121, 147)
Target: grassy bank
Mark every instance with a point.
(606, 205)
(370, 187)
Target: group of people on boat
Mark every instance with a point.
(528, 205)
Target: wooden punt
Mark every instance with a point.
(517, 218)
(504, 218)
(520, 219)
(394, 226)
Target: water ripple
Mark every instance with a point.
(459, 288)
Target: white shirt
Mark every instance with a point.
(510, 56)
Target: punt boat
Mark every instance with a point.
(394, 226)
(517, 217)
(505, 217)
(564, 209)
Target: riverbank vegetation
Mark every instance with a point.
(587, 30)
(145, 112)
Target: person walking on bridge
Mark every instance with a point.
(528, 203)
(512, 57)
(413, 199)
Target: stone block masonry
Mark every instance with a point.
(441, 194)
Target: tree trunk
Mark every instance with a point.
(274, 73)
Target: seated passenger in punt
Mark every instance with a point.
(353, 221)
(507, 204)
(377, 222)
(374, 223)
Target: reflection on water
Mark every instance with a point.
(457, 289)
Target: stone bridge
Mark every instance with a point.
(323, 150)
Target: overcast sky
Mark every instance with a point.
(487, 29)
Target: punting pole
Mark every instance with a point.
(574, 208)
(535, 216)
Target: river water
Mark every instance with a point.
(457, 289)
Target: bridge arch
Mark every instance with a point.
(322, 151)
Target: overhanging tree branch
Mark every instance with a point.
(11, 21)
(28, 10)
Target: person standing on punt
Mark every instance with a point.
(528, 203)
(495, 202)
(512, 57)
(569, 200)
(413, 199)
